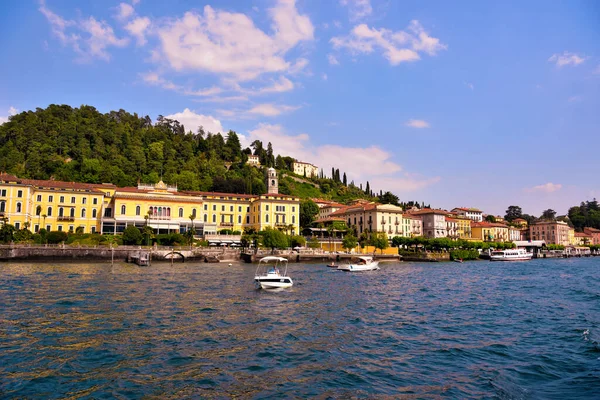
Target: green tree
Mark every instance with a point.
(512, 213)
(274, 239)
(379, 240)
(308, 212)
(132, 235)
(389, 198)
(349, 242)
(55, 237)
(549, 214)
(490, 218)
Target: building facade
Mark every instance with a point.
(253, 160)
(594, 233)
(305, 169)
(434, 222)
(553, 232)
(490, 232)
(471, 213)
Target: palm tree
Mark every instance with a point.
(38, 212)
(44, 216)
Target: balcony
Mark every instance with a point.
(160, 218)
(227, 224)
(66, 219)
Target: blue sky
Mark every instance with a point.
(482, 104)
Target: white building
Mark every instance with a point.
(434, 222)
(471, 213)
(253, 160)
(305, 169)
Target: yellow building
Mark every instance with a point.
(91, 208)
(489, 232)
(458, 226)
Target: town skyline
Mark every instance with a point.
(456, 109)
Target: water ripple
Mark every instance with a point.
(447, 330)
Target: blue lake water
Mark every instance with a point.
(526, 330)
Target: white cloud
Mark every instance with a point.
(155, 79)
(134, 2)
(337, 24)
(566, 58)
(227, 43)
(271, 110)
(417, 123)
(545, 188)
(138, 28)
(469, 85)
(359, 163)
(11, 111)
(192, 121)
(332, 60)
(358, 9)
(89, 38)
(397, 47)
(124, 11)
(324, 76)
(282, 85)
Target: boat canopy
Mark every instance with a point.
(273, 258)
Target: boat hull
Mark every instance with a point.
(359, 268)
(274, 283)
(495, 258)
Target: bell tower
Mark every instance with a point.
(272, 183)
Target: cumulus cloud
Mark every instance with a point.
(358, 9)
(228, 43)
(11, 111)
(545, 188)
(417, 123)
(138, 29)
(191, 121)
(89, 38)
(271, 110)
(566, 58)
(124, 11)
(397, 47)
(360, 163)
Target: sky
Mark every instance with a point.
(458, 104)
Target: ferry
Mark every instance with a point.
(511, 255)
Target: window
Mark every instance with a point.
(2, 206)
(93, 229)
(214, 207)
(70, 228)
(62, 199)
(181, 213)
(18, 207)
(17, 225)
(3, 194)
(50, 199)
(205, 218)
(60, 228)
(194, 212)
(95, 201)
(240, 209)
(222, 208)
(206, 207)
(231, 208)
(19, 193)
(73, 200)
(49, 213)
(247, 219)
(123, 209)
(60, 212)
(248, 210)
(267, 206)
(94, 213)
(84, 200)
(267, 217)
(39, 197)
(214, 218)
(108, 212)
(73, 212)
(239, 219)
(36, 228)
(293, 219)
(138, 210)
(83, 213)
(47, 228)
(293, 209)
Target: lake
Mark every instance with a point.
(523, 330)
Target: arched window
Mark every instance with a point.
(293, 219)
(181, 213)
(205, 218)
(150, 211)
(168, 211)
(49, 213)
(138, 210)
(3, 206)
(94, 213)
(267, 216)
(18, 207)
(83, 213)
(123, 209)
(160, 210)
(72, 212)
(61, 212)
(214, 218)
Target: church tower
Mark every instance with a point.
(272, 184)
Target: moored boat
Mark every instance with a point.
(268, 273)
(511, 255)
(361, 263)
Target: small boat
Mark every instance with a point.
(332, 265)
(511, 255)
(268, 273)
(362, 263)
(459, 260)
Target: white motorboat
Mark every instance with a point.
(511, 255)
(269, 275)
(361, 263)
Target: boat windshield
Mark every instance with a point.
(497, 253)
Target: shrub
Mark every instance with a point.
(463, 254)
(132, 235)
(55, 237)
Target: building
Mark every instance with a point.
(582, 239)
(553, 232)
(253, 160)
(471, 213)
(372, 217)
(594, 233)
(94, 208)
(413, 226)
(305, 169)
(514, 234)
(490, 232)
(326, 208)
(434, 222)
(520, 222)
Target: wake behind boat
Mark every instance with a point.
(268, 273)
(361, 263)
(511, 255)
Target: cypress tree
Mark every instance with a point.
(345, 181)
